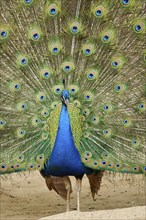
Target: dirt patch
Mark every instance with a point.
(27, 197)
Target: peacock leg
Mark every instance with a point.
(68, 188)
(78, 189)
(68, 200)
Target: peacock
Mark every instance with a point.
(72, 90)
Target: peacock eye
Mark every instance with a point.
(125, 2)
(67, 68)
(55, 50)
(17, 86)
(3, 166)
(73, 89)
(45, 113)
(87, 97)
(21, 133)
(41, 97)
(35, 36)
(125, 121)
(144, 168)
(106, 107)
(86, 134)
(53, 11)
(137, 27)
(95, 120)
(3, 34)
(74, 29)
(87, 51)
(88, 154)
(135, 168)
(23, 61)
(141, 106)
(98, 13)
(35, 121)
(20, 158)
(104, 162)
(40, 157)
(24, 106)
(2, 124)
(46, 74)
(107, 132)
(117, 165)
(28, 1)
(91, 75)
(118, 88)
(58, 90)
(44, 136)
(105, 38)
(115, 64)
(77, 103)
(55, 47)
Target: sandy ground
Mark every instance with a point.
(134, 213)
(27, 197)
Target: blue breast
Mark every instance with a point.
(65, 159)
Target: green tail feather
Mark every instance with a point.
(98, 48)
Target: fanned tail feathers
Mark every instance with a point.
(97, 47)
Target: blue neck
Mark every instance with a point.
(65, 159)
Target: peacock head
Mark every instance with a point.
(65, 96)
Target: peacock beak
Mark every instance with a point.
(66, 101)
